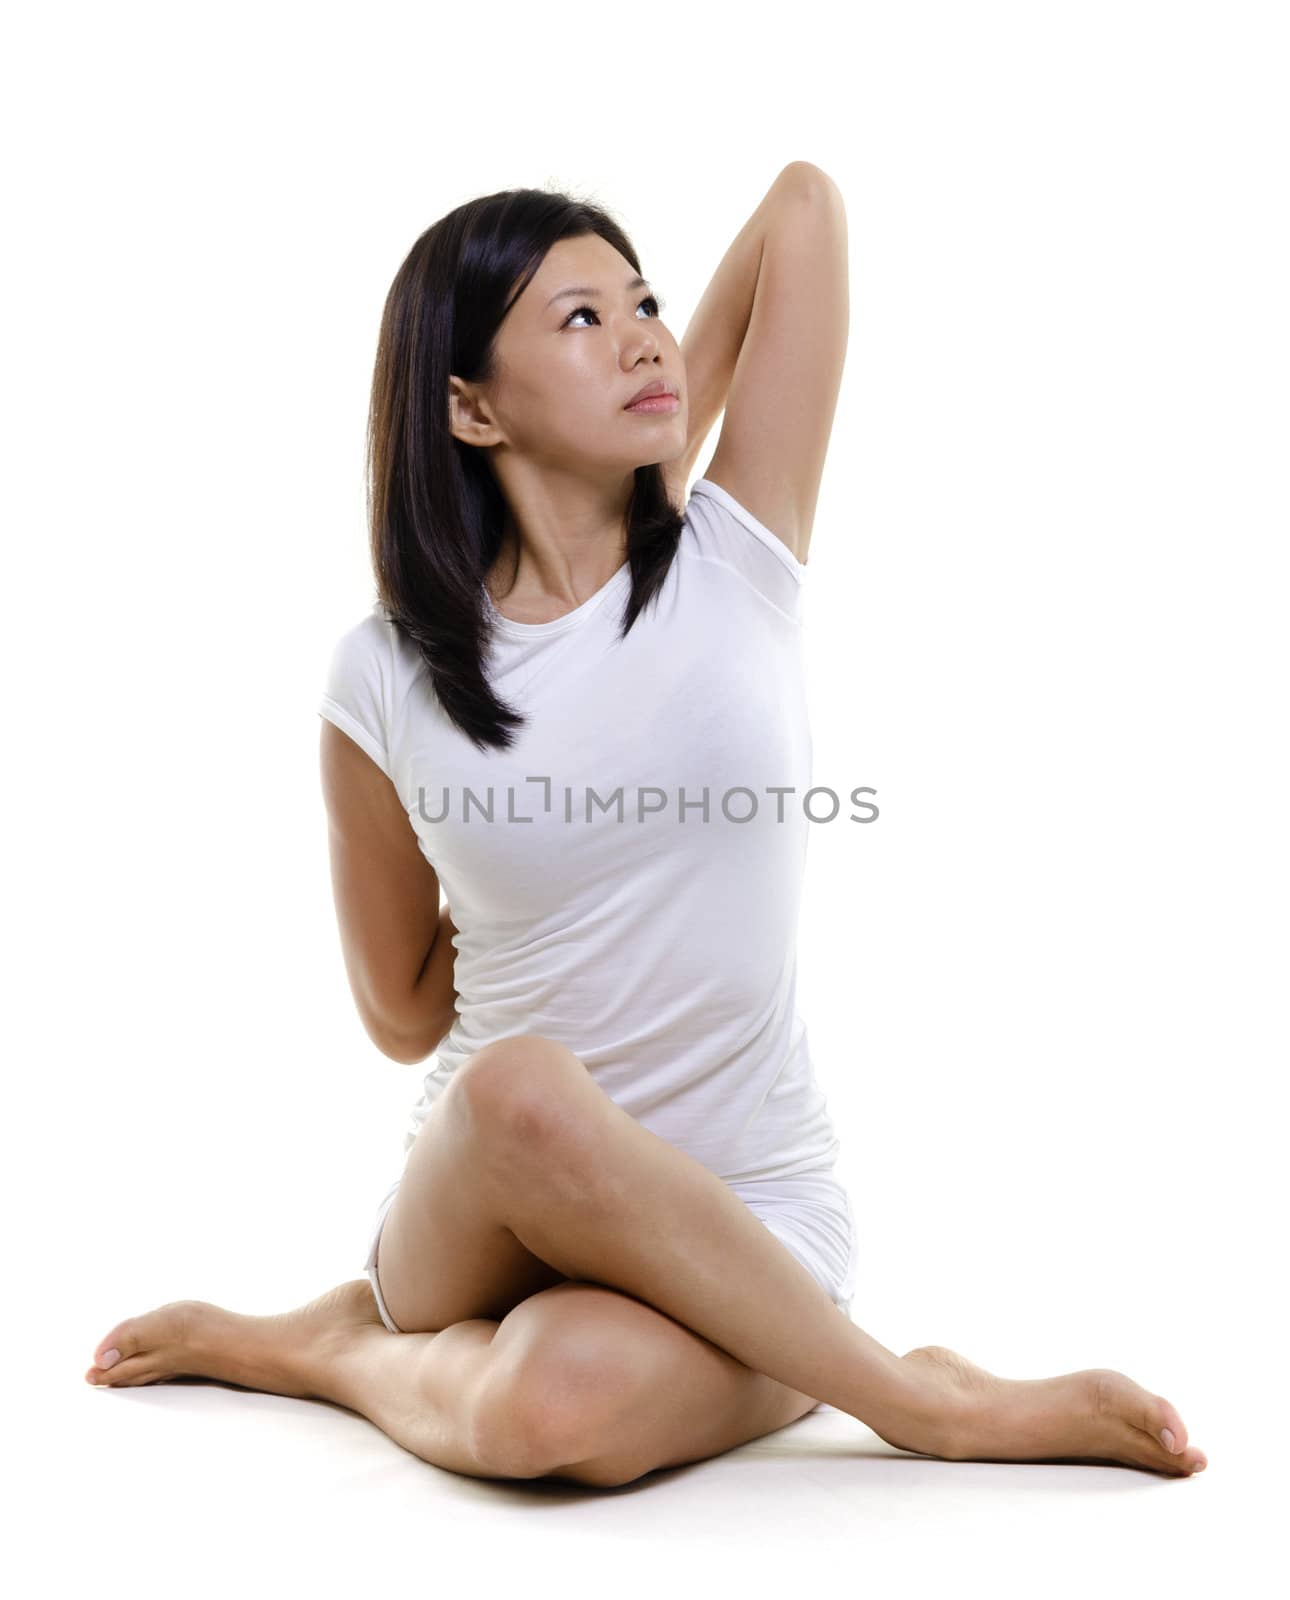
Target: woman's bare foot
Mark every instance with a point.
(1098, 1416)
(286, 1354)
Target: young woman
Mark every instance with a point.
(617, 1242)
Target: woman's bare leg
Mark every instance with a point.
(588, 1189)
(419, 1388)
(435, 1393)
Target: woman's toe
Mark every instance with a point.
(113, 1348)
(1161, 1421)
(123, 1373)
(113, 1352)
(1152, 1413)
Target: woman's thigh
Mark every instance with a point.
(443, 1257)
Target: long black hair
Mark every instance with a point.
(436, 512)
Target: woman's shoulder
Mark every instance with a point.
(376, 643)
(722, 531)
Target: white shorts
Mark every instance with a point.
(810, 1215)
(370, 1265)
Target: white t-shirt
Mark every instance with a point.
(598, 907)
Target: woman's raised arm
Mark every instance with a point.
(715, 333)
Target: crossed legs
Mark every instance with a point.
(585, 1301)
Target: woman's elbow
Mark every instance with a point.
(407, 1048)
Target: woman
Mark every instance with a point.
(617, 1242)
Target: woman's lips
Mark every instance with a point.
(657, 402)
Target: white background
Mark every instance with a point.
(1045, 991)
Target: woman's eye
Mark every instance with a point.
(649, 300)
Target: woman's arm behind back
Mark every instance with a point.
(395, 937)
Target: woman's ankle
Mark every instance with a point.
(923, 1413)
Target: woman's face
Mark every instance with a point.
(568, 363)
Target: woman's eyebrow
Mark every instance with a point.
(632, 283)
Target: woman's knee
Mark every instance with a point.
(513, 1088)
(559, 1383)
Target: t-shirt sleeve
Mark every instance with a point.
(726, 531)
(358, 690)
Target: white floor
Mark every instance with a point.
(196, 1489)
